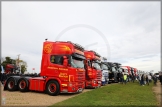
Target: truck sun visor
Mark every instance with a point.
(78, 56)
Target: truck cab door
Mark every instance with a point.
(58, 68)
(89, 69)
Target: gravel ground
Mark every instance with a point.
(158, 91)
(32, 98)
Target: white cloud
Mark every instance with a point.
(132, 30)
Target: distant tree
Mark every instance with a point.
(23, 66)
(23, 69)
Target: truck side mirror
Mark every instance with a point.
(65, 61)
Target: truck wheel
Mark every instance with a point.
(23, 85)
(11, 85)
(53, 88)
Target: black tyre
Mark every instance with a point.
(23, 85)
(11, 85)
(53, 88)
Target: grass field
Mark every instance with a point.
(131, 94)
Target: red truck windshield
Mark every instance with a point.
(77, 62)
(96, 65)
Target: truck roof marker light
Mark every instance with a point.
(48, 48)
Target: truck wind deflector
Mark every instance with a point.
(96, 53)
(77, 46)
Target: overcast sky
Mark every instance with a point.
(124, 32)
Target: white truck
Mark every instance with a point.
(105, 71)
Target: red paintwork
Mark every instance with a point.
(67, 76)
(9, 68)
(135, 71)
(129, 68)
(37, 84)
(93, 76)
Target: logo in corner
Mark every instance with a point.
(48, 48)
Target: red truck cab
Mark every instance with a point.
(132, 72)
(62, 70)
(10, 68)
(128, 69)
(135, 71)
(93, 69)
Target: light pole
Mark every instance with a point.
(18, 63)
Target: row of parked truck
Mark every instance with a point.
(67, 67)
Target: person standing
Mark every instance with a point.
(0, 77)
(118, 77)
(147, 80)
(155, 79)
(129, 77)
(139, 79)
(125, 78)
(160, 77)
(133, 78)
(121, 77)
(142, 80)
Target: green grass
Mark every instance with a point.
(131, 94)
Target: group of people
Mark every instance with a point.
(144, 79)
(124, 78)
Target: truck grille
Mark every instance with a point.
(99, 75)
(80, 78)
